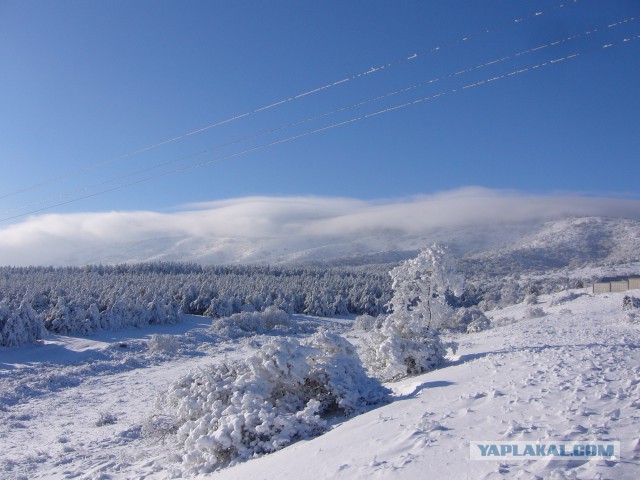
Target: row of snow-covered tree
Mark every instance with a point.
(84, 300)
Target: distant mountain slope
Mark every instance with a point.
(574, 242)
(495, 248)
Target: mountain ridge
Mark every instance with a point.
(565, 242)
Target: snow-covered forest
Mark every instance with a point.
(89, 299)
(84, 300)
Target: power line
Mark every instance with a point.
(292, 98)
(421, 84)
(338, 124)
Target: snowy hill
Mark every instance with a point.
(514, 246)
(572, 243)
(80, 407)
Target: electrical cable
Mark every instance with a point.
(292, 98)
(338, 124)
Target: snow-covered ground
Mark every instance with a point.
(83, 407)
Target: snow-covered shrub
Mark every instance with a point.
(510, 293)
(407, 342)
(366, 323)
(250, 323)
(19, 326)
(394, 352)
(630, 303)
(632, 317)
(159, 427)
(535, 312)
(479, 324)
(235, 411)
(569, 297)
(503, 321)
(167, 344)
(106, 418)
(465, 317)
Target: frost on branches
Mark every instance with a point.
(235, 411)
(407, 342)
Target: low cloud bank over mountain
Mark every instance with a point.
(273, 229)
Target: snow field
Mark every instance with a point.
(571, 374)
(559, 377)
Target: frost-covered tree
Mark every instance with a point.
(58, 318)
(408, 342)
(421, 285)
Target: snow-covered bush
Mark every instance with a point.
(250, 323)
(479, 325)
(106, 418)
(159, 427)
(478, 321)
(19, 325)
(465, 317)
(569, 297)
(366, 323)
(630, 303)
(407, 342)
(395, 352)
(167, 344)
(632, 317)
(535, 312)
(235, 411)
(502, 321)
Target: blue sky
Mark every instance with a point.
(85, 82)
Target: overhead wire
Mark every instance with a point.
(420, 100)
(263, 133)
(406, 58)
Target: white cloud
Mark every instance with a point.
(287, 221)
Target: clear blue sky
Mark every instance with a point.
(83, 82)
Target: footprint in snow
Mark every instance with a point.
(472, 396)
(514, 429)
(575, 433)
(428, 426)
(585, 412)
(613, 414)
